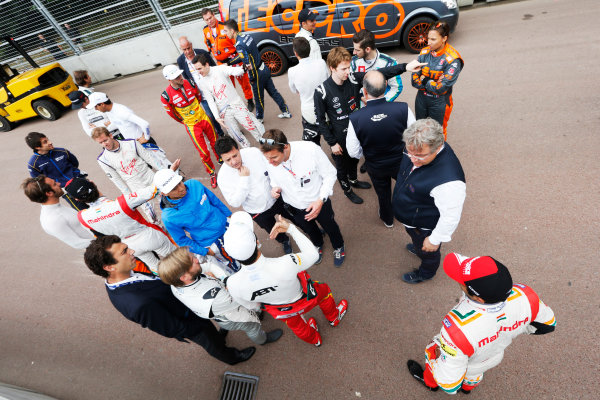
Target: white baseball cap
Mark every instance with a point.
(239, 239)
(166, 180)
(171, 72)
(96, 98)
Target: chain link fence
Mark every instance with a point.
(51, 30)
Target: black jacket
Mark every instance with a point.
(338, 101)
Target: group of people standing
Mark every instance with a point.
(200, 256)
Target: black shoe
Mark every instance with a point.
(464, 391)
(411, 248)
(353, 197)
(360, 184)
(320, 250)
(245, 355)
(363, 168)
(414, 277)
(250, 105)
(287, 247)
(273, 336)
(416, 371)
(223, 332)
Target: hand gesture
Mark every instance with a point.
(244, 171)
(281, 226)
(276, 192)
(415, 66)
(175, 165)
(337, 149)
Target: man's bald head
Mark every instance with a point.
(375, 84)
(186, 46)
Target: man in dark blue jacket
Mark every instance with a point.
(375, 131)
(146, 300)
(258, 72)
(55, 163)
(429, 195)
(184, 62)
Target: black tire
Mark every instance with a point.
(5, 125)
(414, 37)
(46, 109)
(274, 59)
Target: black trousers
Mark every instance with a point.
(382, 183)
(266, 219)
(310, 132)
(204, 334)
(430, 261)
(326, 220)
(346, 168)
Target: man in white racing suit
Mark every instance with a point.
(280, 284)
(129, 124)
(491, 313)
(230, 106)
(119, 217)
(127, 164)
(197, 287)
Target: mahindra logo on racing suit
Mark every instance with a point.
(378, 117)
(103, 217)
(490, 339)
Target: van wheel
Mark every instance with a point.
(5, 124)
(274, 59)
(46, 109)
(415, 34)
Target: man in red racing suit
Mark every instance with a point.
(491, 313)
(181, 100)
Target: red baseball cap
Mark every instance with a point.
(484, 276)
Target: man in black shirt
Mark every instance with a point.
(337, 98)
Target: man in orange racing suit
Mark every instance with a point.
(223, 49)
(181, 99)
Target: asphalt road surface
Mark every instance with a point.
(525, 127)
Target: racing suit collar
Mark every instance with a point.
(442, 51)
(489, 308)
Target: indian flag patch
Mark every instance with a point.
(501, 317)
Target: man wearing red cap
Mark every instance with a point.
(491, 313)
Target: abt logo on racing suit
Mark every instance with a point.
(103, 217)
(490, 339)
(263, 291)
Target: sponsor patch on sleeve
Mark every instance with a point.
(295, 259)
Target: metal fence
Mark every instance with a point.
(51, 30)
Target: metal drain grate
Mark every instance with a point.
(239, 387)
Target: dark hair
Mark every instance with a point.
(79, 76)
(374, 83)
(34, 139)
(364, 38)
(225, 144)
(200, 58)
(205, 11)
(96, 255)
(36, 188)
(252, 258)
(440, 27)
(232, 24)
(301, 47)
(278, 137)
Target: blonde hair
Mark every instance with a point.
(173, 266)
(99, 131)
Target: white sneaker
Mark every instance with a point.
(285, 115)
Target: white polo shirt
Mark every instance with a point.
(253, 192)
(306, 176)
(304, 79)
